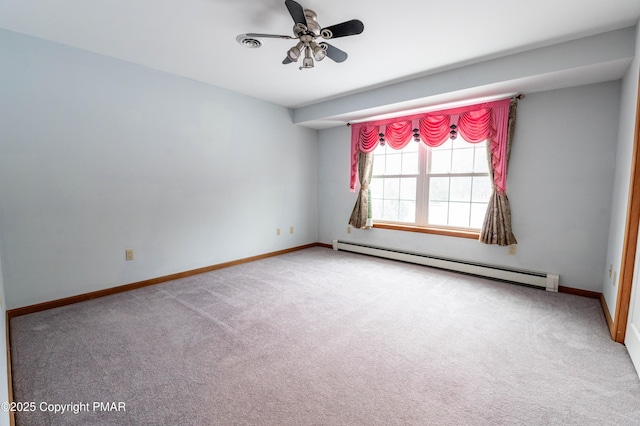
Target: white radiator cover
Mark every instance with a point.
(543, 280)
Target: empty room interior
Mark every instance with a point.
(281, 212)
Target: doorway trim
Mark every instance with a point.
(629, 246)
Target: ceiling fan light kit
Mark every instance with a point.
(306, 29)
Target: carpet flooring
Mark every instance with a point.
(318, 337)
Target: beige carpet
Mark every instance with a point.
(318, 337)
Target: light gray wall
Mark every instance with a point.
(559, 184)
(627, 122)
(99, 155)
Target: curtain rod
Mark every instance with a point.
(519, 96)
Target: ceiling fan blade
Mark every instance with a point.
(344, 29)
(259, 35)
(296, 11)
(334, 53)
(287, 61)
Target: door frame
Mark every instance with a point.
(629, 247)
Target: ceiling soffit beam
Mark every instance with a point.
(609, 47)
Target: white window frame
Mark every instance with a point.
(422, 198)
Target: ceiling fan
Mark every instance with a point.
(306, 30)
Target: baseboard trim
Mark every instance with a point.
(607, 316)
(25, 310)
(580, 292)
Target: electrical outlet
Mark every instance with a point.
(291, 229)
(128, 254)
(277, 231)
(348, 229)
(512, 250)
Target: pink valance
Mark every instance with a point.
(474, 123)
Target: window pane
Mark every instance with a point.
(376, 209)
(440, 161)
(410, 163)
(480, 162)
(481, 189)
(446, 145)
(459, 142)
(439, 189)
(462, 161)
(394, 164)
(378, 164)
(459, 214)
(390, 210)
(377, 187)
(408, 189)
(438, 212)
(411, 147)
(460, 189)
(407, 211)
(391, 188)
(478, 211)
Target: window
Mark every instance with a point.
(447, 186)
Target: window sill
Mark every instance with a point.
(474, 235)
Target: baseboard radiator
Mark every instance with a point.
(542, 280)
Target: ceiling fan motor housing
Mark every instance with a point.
(312, 21)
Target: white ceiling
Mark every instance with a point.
(402, 39)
